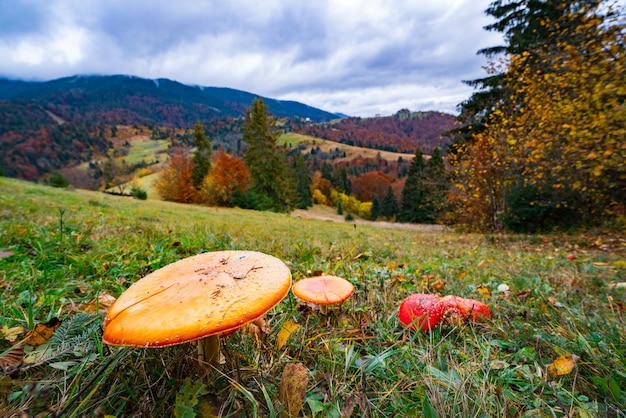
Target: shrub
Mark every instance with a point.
(58, 180)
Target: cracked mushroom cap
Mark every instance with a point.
(422, 311)
(323, 290)
(195, 297)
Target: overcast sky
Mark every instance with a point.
(359, 57)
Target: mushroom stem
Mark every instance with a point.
(323, 309)
(209, 349)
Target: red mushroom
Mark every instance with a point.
(423, 311)
(464, 309)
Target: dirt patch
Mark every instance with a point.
(326, 216)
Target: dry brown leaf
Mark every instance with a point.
(562, 365)
(13, 358)
(258, 329)
(524, 293)
(484, 263)
(41, 333)
(438, 285)
(400, 278)
(293, 387)
(102, 303)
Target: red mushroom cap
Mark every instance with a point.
(465, 308)
(425, 308)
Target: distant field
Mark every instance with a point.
(293, 139)
(142, 148)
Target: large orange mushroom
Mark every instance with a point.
(323, 291)
(197, 298)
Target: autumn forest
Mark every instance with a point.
(538, 147)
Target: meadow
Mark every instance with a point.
(554, 345)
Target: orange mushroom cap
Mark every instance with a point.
(323, 290)
(195, 297)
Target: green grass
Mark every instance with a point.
(146, 150)
(70, 245)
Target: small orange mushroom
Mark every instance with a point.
(197, 298)
(323, 291)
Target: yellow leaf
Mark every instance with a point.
(41, 333)
(287, 329)
(11, 334)
(563, 365)
(484, 291)
(461, 275)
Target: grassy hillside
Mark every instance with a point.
(61, 250)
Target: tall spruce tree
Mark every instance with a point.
(415, 195)
(389, 207)
(201, 156)
(300, 174)
(265, 161)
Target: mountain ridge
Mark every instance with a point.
(158, 101)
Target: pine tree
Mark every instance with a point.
(389, 207)
(201, 156)
(376, 208)
(415, 194)
(300, 174)
(264, 159)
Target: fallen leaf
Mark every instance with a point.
(41, 333)
(11, 334)
(400, 278)
(461, 275)
(293, 386)
(13, 358)
(102, 303)
(484, 263)
(258, 329)
(499, 364)
(524, 293)
(484, 291)
(555, 302)
(287, 329)
(563, 365)
(438, 285)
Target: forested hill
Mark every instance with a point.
(121, 99)
(402, 132)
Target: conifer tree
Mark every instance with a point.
(264, 159)
(415, 194)
(389, 207)
(300, 174)
(201, 156)
(375, 208)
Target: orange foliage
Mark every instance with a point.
(175, 182)
(228, 174)
(370, 185)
